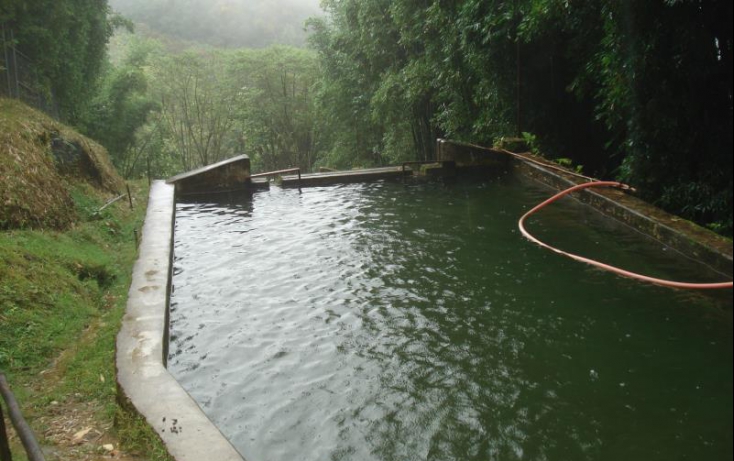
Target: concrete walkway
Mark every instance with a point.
(341, 177)
(142, 378)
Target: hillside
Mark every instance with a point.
(40, 162)
(65, 267)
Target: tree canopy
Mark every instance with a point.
(640, 91)
(637, 91)
(184, 110)
(67, 43)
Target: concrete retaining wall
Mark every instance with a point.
(144, 383)
(226, 176)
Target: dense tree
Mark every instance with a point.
(636, 90)
(66, 41)
(663, 75)
(659, 76)
(204, 105)
(640, 91)
(120, 108)
(374, 90)
(196, 106)
(276, 114)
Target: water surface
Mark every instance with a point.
(406, 322)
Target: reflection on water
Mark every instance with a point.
(400, 322)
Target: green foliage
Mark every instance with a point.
(202, 105)
(54, 283)
(275, 114)
(675, 125)
(137, 436)
(637, 90)
(66, 41)
(62, 298)
(120, 108)
(39, 158)
(531, 141)
(563, 161)
(377, 101)
(640, 91)
(568, 163)
(161, 111)
(196, 106)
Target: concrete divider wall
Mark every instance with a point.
(687, 238)
(229, 175)
(144, 383)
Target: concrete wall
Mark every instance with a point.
(229, 175)
(144, 383)
(468, 156)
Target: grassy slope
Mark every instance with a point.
(63, 292)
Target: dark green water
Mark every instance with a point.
(406, 322)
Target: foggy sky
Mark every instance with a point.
(226, 23)
(308, 6)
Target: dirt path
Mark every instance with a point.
(74, 432)
(74, 427)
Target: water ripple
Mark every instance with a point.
(399, 322)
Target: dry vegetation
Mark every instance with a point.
(39, 157)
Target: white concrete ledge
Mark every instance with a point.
(142, 377)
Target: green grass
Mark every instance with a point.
(62, 297)
(53, 285)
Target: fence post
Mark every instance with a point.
(4, 444)
(15, 64)
(7, 63)
(129, 196)
(27, 438)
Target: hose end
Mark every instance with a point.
(627, 188)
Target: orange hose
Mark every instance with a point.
(616, 270)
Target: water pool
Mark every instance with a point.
(400, 322)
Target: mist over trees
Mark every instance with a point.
(631, 90)
(186, 109)
(225, 23)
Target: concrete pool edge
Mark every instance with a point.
(144, 383)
